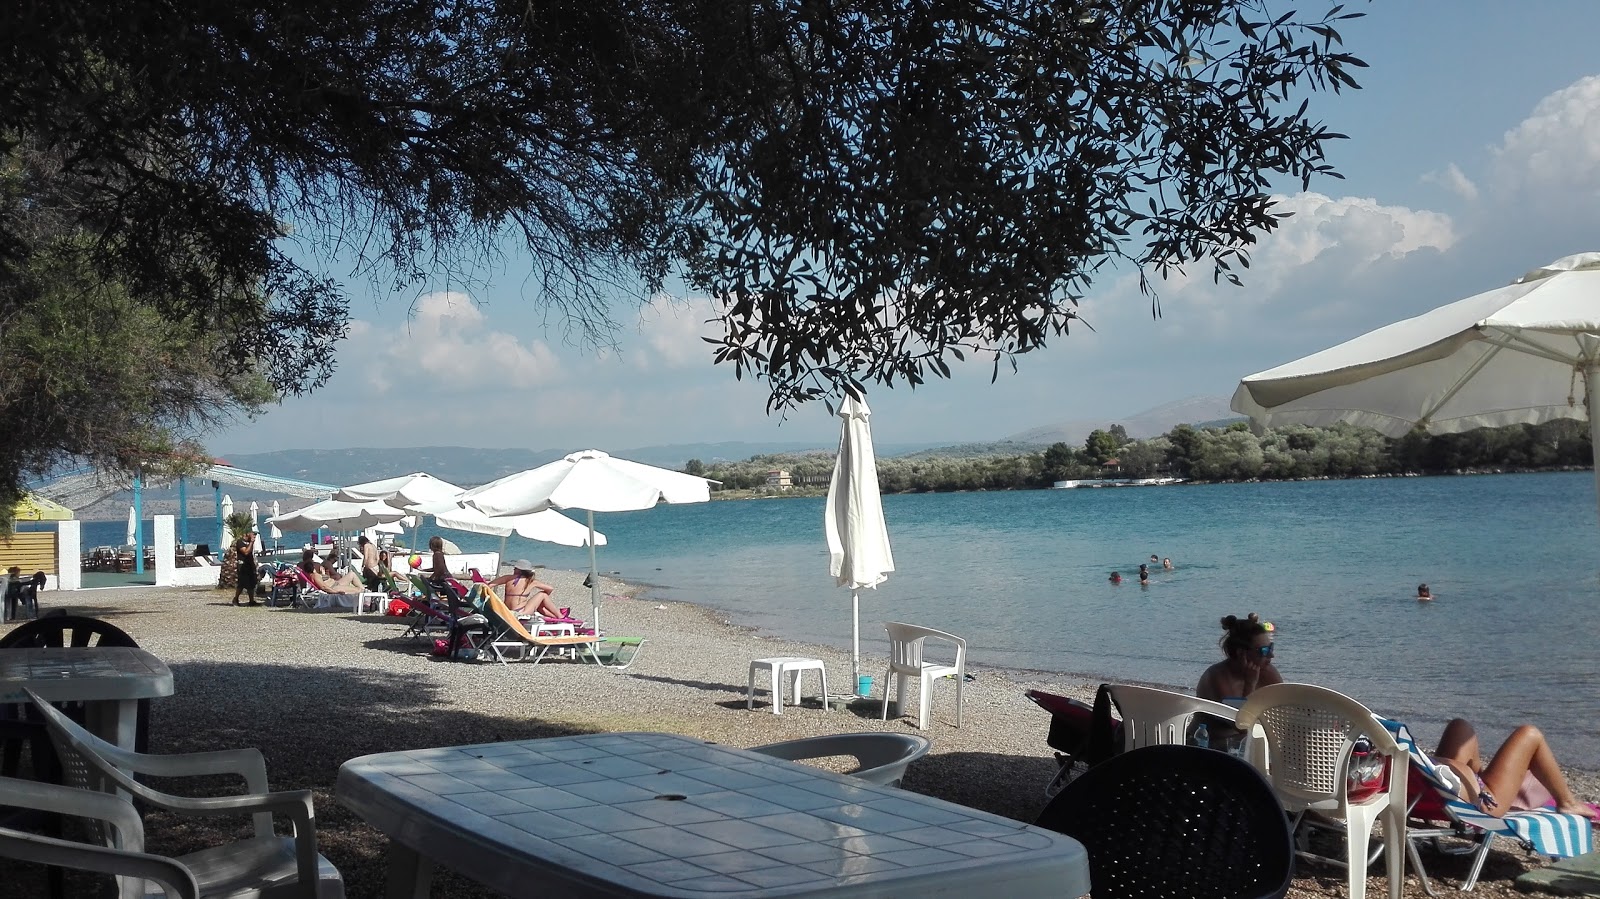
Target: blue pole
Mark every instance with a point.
(183, 510)
(138, 525)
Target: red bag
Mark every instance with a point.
(399, 607)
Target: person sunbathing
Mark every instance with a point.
(325, 580)
(1247, 643)
(524, 594)
(1523, 775)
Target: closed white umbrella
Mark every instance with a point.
(133, 527)
(276, 534)
(859, 556)
(337, 515)
(1526, 353)
(255, 525)
(227, 509)
(592, 481)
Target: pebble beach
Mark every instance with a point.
(313, 689)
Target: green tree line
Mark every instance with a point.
(1231, 453)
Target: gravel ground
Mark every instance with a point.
(313, 689)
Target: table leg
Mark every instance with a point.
(410, 874)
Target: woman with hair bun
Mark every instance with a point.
(1247, 648)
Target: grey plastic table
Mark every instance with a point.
(643, 814)
(108, 680)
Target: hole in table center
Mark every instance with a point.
(672, 797)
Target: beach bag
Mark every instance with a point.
(398, 607)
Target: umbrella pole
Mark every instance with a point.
(1591, 374)
(502, 560)
(594, 580)
(855, 648)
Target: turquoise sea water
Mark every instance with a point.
(1514, 561)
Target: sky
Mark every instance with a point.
(1474, 156)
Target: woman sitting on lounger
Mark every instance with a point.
(326, 581)
(1247, 643)
(1522, 772)
(524, 594)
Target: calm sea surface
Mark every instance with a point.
(1514, 561)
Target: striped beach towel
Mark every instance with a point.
(1545, 831)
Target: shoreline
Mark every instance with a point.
(314, 689)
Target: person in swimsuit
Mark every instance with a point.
(1116, 577)
(326, 581)
(1524, 773)
(1424, 594)
(524, 594)
(1144, 575)
(1247, 645)
(1166, 564)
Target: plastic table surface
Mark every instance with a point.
(648, 814)
(83, 674)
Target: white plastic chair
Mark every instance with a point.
(1152, 717)
(906, 660)
(263, 865)
(127, 859)
(880, 758)
(1310, 732)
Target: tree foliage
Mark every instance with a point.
(869, 188)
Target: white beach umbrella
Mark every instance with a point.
(227, 509)
(337, 515)
(1526, 353)
(275, 533)
(592, 481)
(133, 526)
(859, 556)
(255, 525)
(403, 491)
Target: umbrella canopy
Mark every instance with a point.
(858, 539)
(592, 481)
(133, 527)
(33, 507)
(332, 513)
(548, 526)
(1527, 353)
(275, 533)
(403, 491)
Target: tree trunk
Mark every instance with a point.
(228, 578)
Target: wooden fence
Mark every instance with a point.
(31, 551)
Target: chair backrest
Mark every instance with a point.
(1176, 821)
(66, 630)
(906, 642)
(881, 758)
(1152, 717)
(88, 762)
(1310, 732)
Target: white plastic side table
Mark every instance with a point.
(779, 666)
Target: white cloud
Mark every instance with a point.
(1453, 180)
(674, 329)
(447, 339)
(1556, 149)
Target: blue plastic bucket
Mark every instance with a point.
(864, 685)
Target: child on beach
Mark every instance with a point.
(1247, 645)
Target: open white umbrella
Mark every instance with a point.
(275, 533)
(337, 515)
(227, 509)
(403, 491)
(592, 481)
(133, 527)
(859, 556)
(1526, 353)
(548, 526)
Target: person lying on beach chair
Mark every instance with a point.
(1523, 775)
(326, 581)
(526, 595)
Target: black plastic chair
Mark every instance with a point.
(71, 631)
(1176, 821)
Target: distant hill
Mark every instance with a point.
(1149, 423)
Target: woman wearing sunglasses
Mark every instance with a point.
(1247, 647)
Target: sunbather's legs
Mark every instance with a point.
(1524, 752)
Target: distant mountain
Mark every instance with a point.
(1149, 423)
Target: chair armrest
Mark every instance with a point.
(247, 762)
(296, 804)
(173, 877)
(107, 807)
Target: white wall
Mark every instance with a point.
(69, 557)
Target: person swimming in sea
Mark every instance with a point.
(1116, 577)
(1144, 575)
(1166, 564)
(1424, 594)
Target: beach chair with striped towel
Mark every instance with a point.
(1436, 811)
